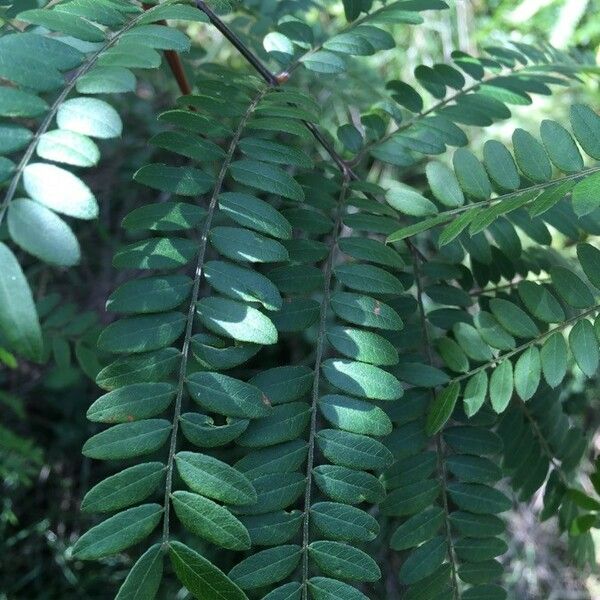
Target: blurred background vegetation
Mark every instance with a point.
(42, 408)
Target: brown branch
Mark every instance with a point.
(174, 62)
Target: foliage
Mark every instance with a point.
(333, 361)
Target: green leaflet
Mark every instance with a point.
(159, 36)
(145, 576)
(500, 165)
(65, 23)
(323, 588)
(367, 278)
(128, 440)
(586, 127)
(410, 469)
(133, 402)
(213, 478)
(473, 440)
(270, 151)
(284, 384)
(370, 250)
(324, 62)
(201, 430)
(356, 416)
(68, 147)
(473, 469)
(347, 485)
(585, 200)
(236, 320)
(441, 408)
(531, 156)
(540, 302)
(584, 346)
(353, 450)
(200, 576)
(475, 393)
(118, 532)
(183, 181)
(15, 103)
(143, 333)
(125, 488)
(480, 549)
(423, 561)
(18, 318)
(280, 458)
(405, 200)
(242, 284)
(366, 311)
(501, 385)
(513, 319)
(480, 572)
(478, 498)
(475, 525)
(164, 216)
(150, 294)
(155, 253)
(228, 396)
(361, 379)
(343, 561)
(284, 423)
(561, 147)
(528, 373)
(444, 185)
(57, 246)
(140, 368)
(288, 591)
(341, 522)
(589, 257)
(13, 137)
(410, 499)
(276, 491)
(214, 353)
(471, 175)
(266, 177)
(89, 116)
(210, 521)
(571, 288)
(266, 567)
(272, 529)
(418, 528)
(492, 333)
(244, 245)
(553, 357)
(362, 345)
(106, 80)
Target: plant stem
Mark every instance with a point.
(192, 308)
(269, 77)
(439, 443)
(535, 340)
(438, 219)
(320, 349)
(174, 62)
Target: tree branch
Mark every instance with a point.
(174, 62)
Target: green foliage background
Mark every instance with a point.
(44, 401)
